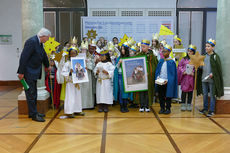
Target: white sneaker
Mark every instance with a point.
(147, 109)
(141, 109)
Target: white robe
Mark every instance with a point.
(87, 87)
(104, 88)
(73, 102)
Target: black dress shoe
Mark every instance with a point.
(161, 111)
(39, 114)
(168, 111)
(38, 119)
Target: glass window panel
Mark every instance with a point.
(64, 3)
(197, 4)
(184, 27)
(77, 24)
(50, 22)
(211, 25)
(64, 25)
(197, 29)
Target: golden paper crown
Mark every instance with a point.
(104, 52)
(168, 47)
(145, 42)
(192, 47)
(134, 48)
(139, 44)
(111, 46)
(73, 48)
(126, 44)
(177, 38)
(93, 43)
(163, 42)
(130, 41)
(212, 42)
(156, 36)
(84, 45)
(74, 40)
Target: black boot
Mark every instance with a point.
(122, 107)
(126, 106)
(106, 108)
(100, 108)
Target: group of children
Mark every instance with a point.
(104, 66)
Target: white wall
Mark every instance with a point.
(10, 24)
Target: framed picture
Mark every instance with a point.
(79, 74)
(134, 71)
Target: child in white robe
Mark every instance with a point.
(73, 102)
(104, 71)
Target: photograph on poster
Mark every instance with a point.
(79, 70)
(134, 72)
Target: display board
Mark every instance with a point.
(137, 27)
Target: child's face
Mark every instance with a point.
(123, 50)
(131, 53)
(154, 42)
(73, 53)
(165, 53)
(190, 52)
(144, 48)
(209, 48)
(103, 58)
(176, 42)
(83, 50)
(52, 63)
(115, 41)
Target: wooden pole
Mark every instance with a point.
(194, 92)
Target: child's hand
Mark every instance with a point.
(184, 72)
(165, 82)
(105, 72)
(210, 75)
(20, 76)
(120, 61)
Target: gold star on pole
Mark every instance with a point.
(197, 60)
(122, 40)
(51, 45)
(58, 56)
(92, 34)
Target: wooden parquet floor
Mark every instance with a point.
(112, 132)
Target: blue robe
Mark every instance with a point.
(172, 77)
(116, 87)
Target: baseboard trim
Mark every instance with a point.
(10, 83)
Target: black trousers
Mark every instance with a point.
(144, 99)
(188, 95)
(31, 96)
(165, 102)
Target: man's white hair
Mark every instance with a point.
(44, 32)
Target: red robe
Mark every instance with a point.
(57, 89)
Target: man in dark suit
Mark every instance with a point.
(30, 68)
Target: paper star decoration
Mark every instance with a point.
(50, 45)
(197, 60)
(165, 31)
(122, 40)
(92, 34)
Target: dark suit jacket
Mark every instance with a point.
(32, 57)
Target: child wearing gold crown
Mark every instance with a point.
(104, 90)
(118, 89)
(87, 87)
(185, 73)
(212, 79)
(146, 97)
(166, 80)
(156, 46)
(73, 100)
